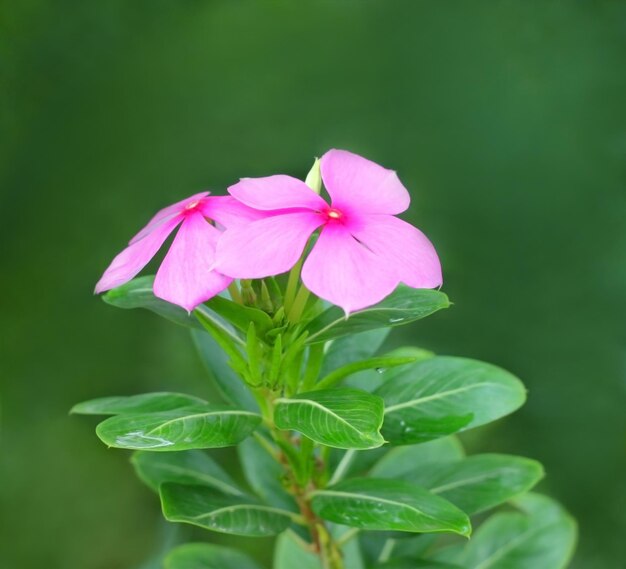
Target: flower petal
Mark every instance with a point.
(227, 211)
(276, 192)
(136, 256)
(402, 247)
(185, 276)
(266, 247)
(341, 270)
(166, 213)
(357, 184)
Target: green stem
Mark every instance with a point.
(267, 446)
(263, 400)
(292, 285)
(347, 536)
(303, 471)
(330, 554)
(343, 466)
(387, 550)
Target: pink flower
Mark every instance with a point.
(185, 276)
(362, 253)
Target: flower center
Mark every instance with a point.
(333, 214)
(192, 207)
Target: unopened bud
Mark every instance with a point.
(314, 178)
(247, 292)
(266, 299)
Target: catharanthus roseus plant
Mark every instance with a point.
(350, 451)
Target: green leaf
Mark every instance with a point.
(371, 380)
(200, 426)
(193, 467)
(480, 482)
(231, 344)
(379, 363)
(403, 306)
(473, 484)
(264, 474)
(144, 403)
(137, 293)
(240, 316)
(207, 556)
(386, 462)
(353, 348)
(443, 395)
(227, 382)
(340, 418)
(543, 536)
(292, 553)
(415, 459)
(204, 507)
(378, 504)
(408, 563)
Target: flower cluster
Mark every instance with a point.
(361, 253)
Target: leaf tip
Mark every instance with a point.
(466, 531)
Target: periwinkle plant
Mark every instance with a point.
(350, 454)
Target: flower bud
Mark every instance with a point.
(314, 178)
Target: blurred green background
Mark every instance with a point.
(505, 119)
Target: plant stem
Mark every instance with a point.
(298, 467)
(292, 285)
(342, 467)
(329, 552)
(387, 550)
(347, 536)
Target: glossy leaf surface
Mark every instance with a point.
(379, 364)
(193, 467)
(403, 306)
(443, 395)
(480, 482)
(353, 348)
(240, 316)
(415, 459)
(371, 380)
(138, 293)
(201, 426)
(144, 403)
(204, 507)
(208, 556)
(473, 484)
(541, 535)
(340, 418)
(378, 504)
